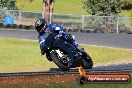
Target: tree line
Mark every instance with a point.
(106, 7)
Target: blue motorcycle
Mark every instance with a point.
(66, 54)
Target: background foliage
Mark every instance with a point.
(103, 7)
(9, 4)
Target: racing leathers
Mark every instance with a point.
(59, 32)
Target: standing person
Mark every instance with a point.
(48, 7)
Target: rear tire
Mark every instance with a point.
(87, 63)
(57, 61)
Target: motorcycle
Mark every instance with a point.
(65, 54)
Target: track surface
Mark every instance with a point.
(111, 40)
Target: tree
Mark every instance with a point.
(9, 4)
(103, 7)
(127, 5)
(5, 6)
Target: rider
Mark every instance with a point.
(43, 29)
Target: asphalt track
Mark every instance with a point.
(110, 40)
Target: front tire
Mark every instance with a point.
(58, 62)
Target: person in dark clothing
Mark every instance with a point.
(44, 30)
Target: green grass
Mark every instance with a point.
(69, 7)
(127, 13)
(21, 55)
(72, 86)
(25, 5)
(61, 6)
(105, 55)
(24, 55)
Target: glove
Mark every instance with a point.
(43, 48)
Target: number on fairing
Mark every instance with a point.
(60, 54)
(57, 28)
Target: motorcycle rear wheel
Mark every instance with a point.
(87, 63)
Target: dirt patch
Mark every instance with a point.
(46, 78)
(40, 79)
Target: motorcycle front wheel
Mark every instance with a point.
(60, 59)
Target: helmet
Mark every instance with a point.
(40, 25)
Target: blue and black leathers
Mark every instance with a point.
(59, 30)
